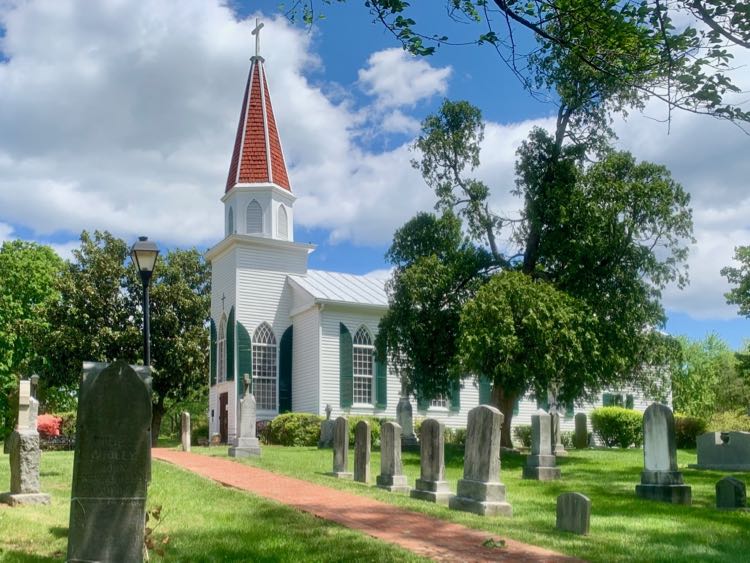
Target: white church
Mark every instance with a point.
(305, 337)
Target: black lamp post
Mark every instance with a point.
(143, 254)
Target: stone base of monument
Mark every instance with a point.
(664, 486)
(342, 475)
(246, 447)
(409, 443)
(20, 499)
(560, 451)
(541, 468)
(478, 497)
(744, 467)
(393, 483)
(432, 491)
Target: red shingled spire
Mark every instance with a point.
(257, 156)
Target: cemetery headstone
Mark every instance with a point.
(215, 439)
(581, 437)
(341, 449)
(391, 476)
(724, 451)
(247, 442)
(112, 464)
(326, 430)
(540, 464)
(558, 449)
(660, 479)
(362, 446)
(24, 458)
(480, 491)
(405, 419)
(574, 513)
(185, 431)
(24, 404)
(431, 485)
(731, 493)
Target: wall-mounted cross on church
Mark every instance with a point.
(256, 32)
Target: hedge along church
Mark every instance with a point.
(305, 337)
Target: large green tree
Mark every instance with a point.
(28, 276)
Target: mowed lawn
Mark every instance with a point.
(203, 521)
(623, 527)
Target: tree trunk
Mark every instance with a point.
(156, 416)
(505, 402)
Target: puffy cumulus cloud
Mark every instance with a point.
(6, 232)
(397, 78)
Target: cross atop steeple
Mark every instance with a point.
(256, 32)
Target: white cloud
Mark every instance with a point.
(397, 78)
(6, 232)
(398, 122)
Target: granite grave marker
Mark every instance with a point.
(341, 449)
(362, 446)
(391, 476)
(431, 485)
(540, 464)
(574, 513)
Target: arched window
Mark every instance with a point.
(363, 351)
(221, 357)
(282, 224)
(264, 368)
(230, 222)
(254, 218)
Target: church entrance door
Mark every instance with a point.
(224, 417)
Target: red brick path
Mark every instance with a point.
(422, 534)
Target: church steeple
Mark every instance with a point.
(257, 156)
(258, 199)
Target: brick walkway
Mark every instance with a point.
(422, 534)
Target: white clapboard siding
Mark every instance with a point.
(222, 285)
(306, 361)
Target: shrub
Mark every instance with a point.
(48, 425)
(617, 426)
(374, 428)
(68, 427)
(567, 439)
(294, 429)
(522, 433)
(729, 421)
(687, 429)
(456, 436)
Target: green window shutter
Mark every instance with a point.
(244, 359)
(607, 400)
(629, 402)
(542, 404)
(455, 396)
(485, 390)
(381, 385)
(569, 409)
(423, 403)
(212, 352)
(617, 400)
(346, 370)
(230, 345)
(285, 370)
(517, 406)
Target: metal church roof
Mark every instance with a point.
(334, 287)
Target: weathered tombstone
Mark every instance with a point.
(581, 438)
(557, 446)
(724, 451)
(404, 418)
(112, 464)
(362, 446)
(391, 476)
(341, 449)
(215, 440)
(185, 431)
(431, 485)
(326, 430)
(25, 457)
(480, 491)
(573, 513)
(247, 442)
(33, 412)
(540, 464)
(660, 479)
(730, 493)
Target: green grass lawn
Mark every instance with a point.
(203, 521)
(623, 527)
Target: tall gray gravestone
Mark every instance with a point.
(391, 476)
(247, 442)
(326, 430)
(724, 451)
(558, 449)
(112, 464)
(581, 437)
(480, 491)
(573, 513)
(540, 464)
(185, 431)
(362, 447)
(405, 419)
(431, 485)
(25, 457)
(731, 493)
(660, 479)
(341, 449)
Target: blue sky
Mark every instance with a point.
(122, 116)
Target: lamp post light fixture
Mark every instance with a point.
(143, 254)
